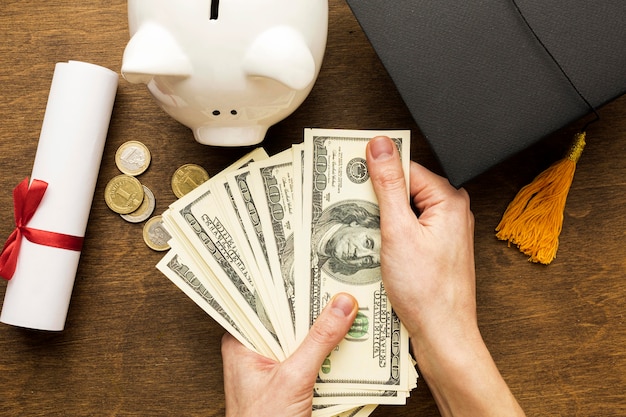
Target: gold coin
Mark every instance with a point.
(145, 210)
(132, 158)
(188, 177)
(155, 235)
(123, 194)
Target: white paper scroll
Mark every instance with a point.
(68, 158)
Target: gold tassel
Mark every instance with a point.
(534, 219)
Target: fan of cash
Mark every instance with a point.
(265, 244)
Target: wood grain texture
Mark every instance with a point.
(135, 345)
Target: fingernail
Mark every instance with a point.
(381, 147)
(342, 305)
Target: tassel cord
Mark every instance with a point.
(534, 219)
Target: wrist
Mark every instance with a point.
(463, 377)
(446, 353)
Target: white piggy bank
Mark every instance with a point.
(227, 69)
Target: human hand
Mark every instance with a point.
(427, 265)
(257, 386)
(427, 262)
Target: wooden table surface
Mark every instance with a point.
(136, 345)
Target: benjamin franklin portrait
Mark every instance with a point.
(346, 239)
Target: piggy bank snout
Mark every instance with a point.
(230, 136)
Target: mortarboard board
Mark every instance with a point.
(481, 85)
(485, 79)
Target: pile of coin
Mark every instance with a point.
(125, 194)
(134, 202)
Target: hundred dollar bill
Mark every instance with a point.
(272, 188)
(339, 396)
(341, 241)
(362, 411)
(256, 155)
(181, 273)
(205, 229)
(231, 302)
(345, 411)
(329, 394)
(298, 177)
(245, 213)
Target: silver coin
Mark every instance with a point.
(145, 210)
(132, 158)
(155, 235)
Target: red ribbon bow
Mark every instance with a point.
(25, 203)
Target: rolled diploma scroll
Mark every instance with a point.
(68, 158)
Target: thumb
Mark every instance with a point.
(385, 169)
(327, 331)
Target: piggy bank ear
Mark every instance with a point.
(282, 54)
(153, 51)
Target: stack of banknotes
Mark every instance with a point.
(265, 244)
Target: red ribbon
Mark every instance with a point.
(25, 203)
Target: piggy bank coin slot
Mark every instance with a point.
(215, 6)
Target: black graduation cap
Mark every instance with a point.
(485, 79)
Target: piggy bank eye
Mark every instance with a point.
(215, 6)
